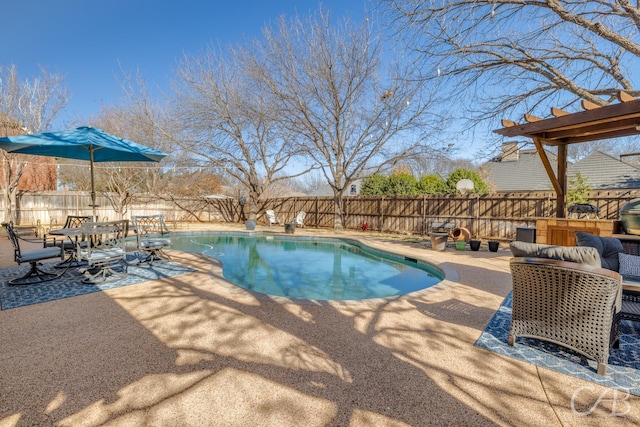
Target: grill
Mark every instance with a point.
(630, 217)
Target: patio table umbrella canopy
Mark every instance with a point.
(83, 143)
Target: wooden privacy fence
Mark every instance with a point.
(496, 216)
(50, 208)
(485, 216)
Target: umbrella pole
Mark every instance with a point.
(93, 186)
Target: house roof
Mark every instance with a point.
(527, 173)
(603, 171)
(323, 191)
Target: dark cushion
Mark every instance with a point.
(629, 266)
(582, 255)
(608, 248)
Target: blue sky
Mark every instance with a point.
(90, 41)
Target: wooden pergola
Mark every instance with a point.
(594, 123)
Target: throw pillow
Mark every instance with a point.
(582, 255)
(608, 248)
(629, 264)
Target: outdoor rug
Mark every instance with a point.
(623, 370)
(70, 285)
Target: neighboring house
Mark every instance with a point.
(522, 170)
(279, 189)
(602, 171)
(326, 191)
(41, 173)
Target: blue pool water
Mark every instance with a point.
(309, 268)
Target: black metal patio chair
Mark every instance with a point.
(105, 248)
(152, 236)
(34, 257)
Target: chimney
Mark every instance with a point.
(510, 151)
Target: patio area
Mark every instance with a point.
(193, 349)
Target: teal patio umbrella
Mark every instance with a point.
(83, 143)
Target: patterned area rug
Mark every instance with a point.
(623, 370)
(71, 285)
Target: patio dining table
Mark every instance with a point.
(73, 234)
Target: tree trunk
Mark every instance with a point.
(339, 213)
(11, 208)
(252, 207)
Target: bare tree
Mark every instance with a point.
(231, 123)
(312, 182)
(502, 56)
(353, 116)
(118, 188)
(194, 183)
(442, 165)
(33, 104)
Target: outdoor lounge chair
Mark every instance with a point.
(152, 236)
(105, 247)
(571, 304)
(300, 219)
(33, 257)
(271, 217)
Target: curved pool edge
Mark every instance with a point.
(449, 274)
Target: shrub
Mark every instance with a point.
(432, 184)
(401, 184)
(578, 192)
(375, 185)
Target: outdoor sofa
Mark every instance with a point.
(563, 295)
(621, 258)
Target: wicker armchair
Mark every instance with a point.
(570, 304)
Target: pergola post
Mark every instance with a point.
(562, 181)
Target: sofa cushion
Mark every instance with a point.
(629, 265)
(608, 248)
(582, 255)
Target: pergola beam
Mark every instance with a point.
(547, 166)
(607, 116)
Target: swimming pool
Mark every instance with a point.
(309, 267)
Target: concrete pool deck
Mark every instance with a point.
(196, 350)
